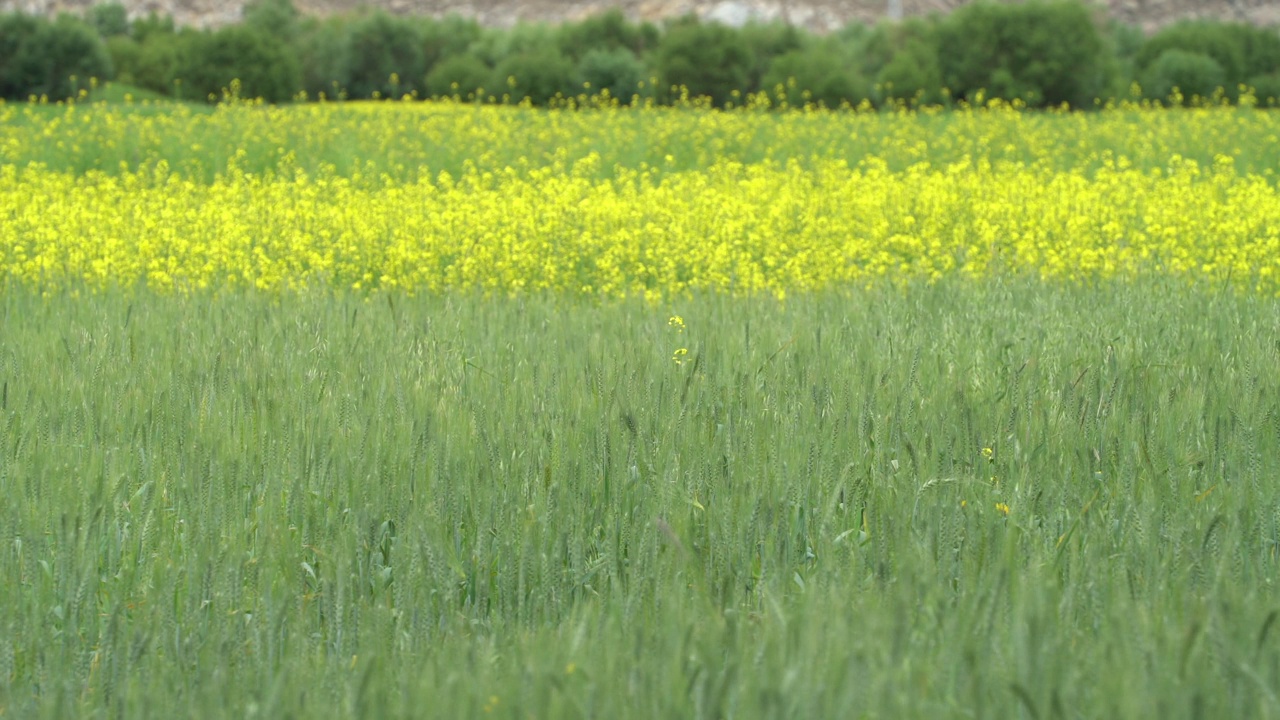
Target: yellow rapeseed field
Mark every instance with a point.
(510, 200)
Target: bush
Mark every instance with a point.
(1234, 48)
(1261, 49)
(913, 75)
(319, 46)
(41, 57)
(765, 42)
(1191, 73)
(157, 61)
(618, 70)
(125, 55)
(495, 45)
(709, 60)
(903, 60)
(1045, 53)
(211, 61)
(378, 47)
(109, 19)
(446, 38)
(1266, 88)
(275, 18)
(877, 46)
(606, 31)
(538, 76)
(461, 75)
(153, 24)
(818, 75)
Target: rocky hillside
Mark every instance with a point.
(819, 15)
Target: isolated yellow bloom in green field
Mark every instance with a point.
(1002, 508)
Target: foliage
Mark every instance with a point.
(617, 71)
(461, 76)
(144, 28)
(1266, 88)
(110, 19)
(1044, 53)
(913, 74)
(537, 75)
(41, 58)
(817, 74)
(383, 55)
(277, 19)
(442, 39)
(1192, 74)
(607, 31)
(323, 66)
(495, 45)
(1241, 51)
(151, 55)
(1041, 53)
(707, 59)
(261, 67)
(767, 41)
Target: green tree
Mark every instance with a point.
(383, 55)
(610, 30)
(1191, 73)
(109, 19)
(38, 57)
(539, 75)
(1045, 53)
(461, 75)
(617, 70)
(708, 59)
(211, 61)
(817, 74)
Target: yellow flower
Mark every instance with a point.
(1002, 508)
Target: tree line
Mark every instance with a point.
(1041, 54)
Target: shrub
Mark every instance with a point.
(275, 18)
(606, 31)
(617, 70)
(539, 75)
(765, 42)
(1191, 73)
(461, 75)
(319, 49)
(1210, 39)
(913, 75)
(144, 28)
(817, 74)
(709, 60)
(125, 53)
(38, 57)
(211, 61)
(378, 47)
(156, 62)
(1045, 53)
(109, 19)
(1266, 88)
(447, 37)
(495, 45)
